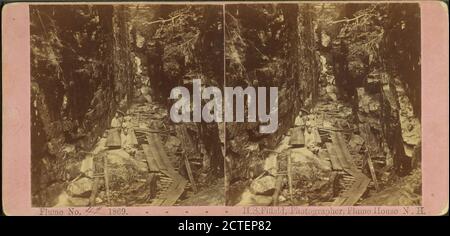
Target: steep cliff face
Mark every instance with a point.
(193, 49)
(77, 85)
(177, 44)
(267, 46)
(403, 53)
(383, 58)
(375, 53)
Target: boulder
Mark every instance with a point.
(124, 170)
(80, 188)
(250, 199)
(306, 163)
(263, 186)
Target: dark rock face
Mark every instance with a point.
(78, 82)
(402, 53)
(268, 46)
(376, 76)
(403, 192)
(180, 52)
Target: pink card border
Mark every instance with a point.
(16, 192)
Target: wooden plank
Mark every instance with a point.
(160, 199)
(94, 192)
(113, 140)
(177, 187)
(149, 156)
(343, 155)
(172, 194)
(372, 172)
(189, 172)
(155, 152)
(165, 159)
(95, 186)
(356, 191)
(105, 169)
(161, 156)
(297, 137)
(338, 151)
(146, 130)
(172, 197)
(371, 148)
(276, 194)
(348, 157)
(278, 183)
(335, 164)
(289, 175)
(162, 153)
(152, 181)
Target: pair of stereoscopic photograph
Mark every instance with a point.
(348, 106)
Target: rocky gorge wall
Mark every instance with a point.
(392, 78)
(77, 84)
(178, 51)
(268, 46)
(375, 53)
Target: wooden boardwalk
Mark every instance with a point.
(351, 196)
(341, 160)
(158, 161)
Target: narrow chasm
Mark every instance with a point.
(101, 128)
(349, 129)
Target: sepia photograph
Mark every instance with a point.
(101, 79)
(349, 81)
(225, 104)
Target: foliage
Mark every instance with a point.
(363, 33)
(383, 37)
(192, 39)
